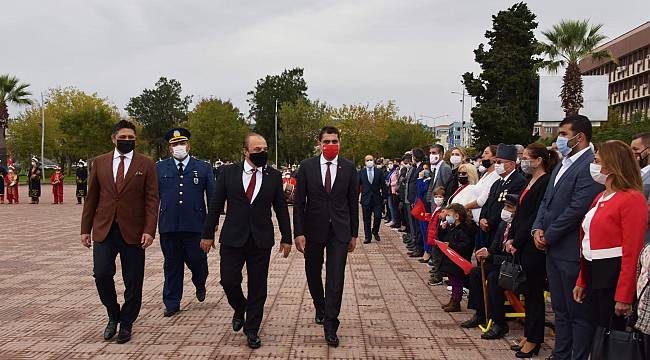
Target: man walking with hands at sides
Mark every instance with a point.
(371, 181)
(568, 197)
(250, 188)
(121, 211)
(183, 183)
(326, 218)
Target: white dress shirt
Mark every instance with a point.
(567, 162)
(184, 162)
(333, 167)
(247, 175)
(484, 185)
(116, 162)
(586, 225)
(435, 171)
(645, 170)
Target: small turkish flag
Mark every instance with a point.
(455, 257)
(419, 211)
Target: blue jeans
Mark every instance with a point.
(392, 209)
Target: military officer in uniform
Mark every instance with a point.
(185, 185)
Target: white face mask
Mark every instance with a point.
(434, 158)
(481, 169)
(455, 159)
(598, 177)
(500, 169)
(506, 216)
(370, 164)
(438, 201)
(180, 152)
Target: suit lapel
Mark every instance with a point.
(339, 172)
(109, 170)
(133, 168)
(265, 183)
(569, 171)
(240, 182)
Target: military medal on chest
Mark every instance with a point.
(196, 177)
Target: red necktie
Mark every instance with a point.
(119, 179)
(328, 178)
(251, 185)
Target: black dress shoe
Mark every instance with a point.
(124, 336)
(367, 241)
(237, 321)
(320, 317)
(495, 332)
(377, 237)
(332, 340)
(200, 295)
(171, 312)
(522, 355)
(473, 322)
(416, 254)
(253, 340)
(110, 330)
(515, 347)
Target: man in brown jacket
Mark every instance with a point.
(121, 210)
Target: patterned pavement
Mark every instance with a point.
(49, 308)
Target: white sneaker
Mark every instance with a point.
(448, 288)
(390, 223)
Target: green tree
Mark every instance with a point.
(569, 42)
(301, 122)
(87, 131)
(70, 128)
(617, 129)
(286, 88)
(506, 89)
(158, 110)
(218, 130)
(11, 92)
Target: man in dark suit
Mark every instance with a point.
(511, 182)
(183, 183)
(641, 146)
(371, 181)
(326, 218)
(568, 197)
(250, 188)
(121, 211)
(414, 244)
(440, 172)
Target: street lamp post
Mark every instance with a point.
(276, 134)
(42, 131)
(462, 116)
(434, 122)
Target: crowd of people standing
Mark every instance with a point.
(575, 219)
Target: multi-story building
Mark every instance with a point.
(628, 70)
(459, 134)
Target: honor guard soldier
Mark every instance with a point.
(185, 185)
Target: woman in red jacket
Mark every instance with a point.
(612, 237)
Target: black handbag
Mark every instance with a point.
(612, 344)
(512, 276)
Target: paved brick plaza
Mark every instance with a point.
(49, 308)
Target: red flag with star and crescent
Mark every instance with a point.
(455, 257)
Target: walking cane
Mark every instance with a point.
(485, 300)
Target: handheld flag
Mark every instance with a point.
(455, 257)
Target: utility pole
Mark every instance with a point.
(42, 132)
(276, 134)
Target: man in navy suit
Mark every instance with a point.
(184, 185)
(371, 181)
(326, 219)
(568, 197)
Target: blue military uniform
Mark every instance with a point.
(184, 191)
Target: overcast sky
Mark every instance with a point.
(413, 52)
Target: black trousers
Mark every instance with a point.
(329, 300)
(257, 267)
(371, 219)
(534, 266)
(180, 248)
(495, 295)
(132, 260)
(601, 308)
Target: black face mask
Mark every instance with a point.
(643, 161)
(463, 180)
(486, 163)
(125, 146)
(259, 159)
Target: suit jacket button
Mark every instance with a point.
(180, 193)
(181, 184)
(180, 202)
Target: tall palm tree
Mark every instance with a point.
(11, 92)
(567, 43)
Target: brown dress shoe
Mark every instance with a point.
(453, 307)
